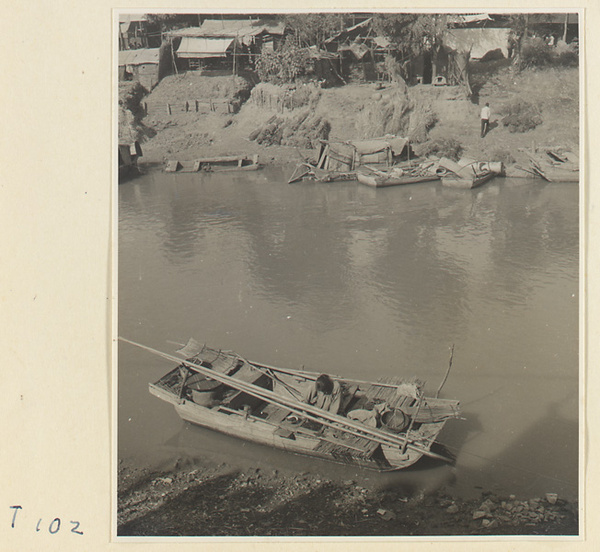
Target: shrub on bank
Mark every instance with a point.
(521, 116)
(537, 53)
(442, 147)
(285, 65)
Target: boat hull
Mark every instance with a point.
(376, 181)
(468, 182)
(260, 432)
(214, 164)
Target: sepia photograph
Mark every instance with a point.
(348, 274)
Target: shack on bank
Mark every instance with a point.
(140, 65)
(224, 46)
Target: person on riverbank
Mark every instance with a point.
(485, 119)
(325, 393)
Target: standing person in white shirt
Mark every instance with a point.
(485, 119)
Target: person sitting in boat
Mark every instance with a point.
(325, 393)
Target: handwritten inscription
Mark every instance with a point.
(53, 527)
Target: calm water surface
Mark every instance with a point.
(364, 283)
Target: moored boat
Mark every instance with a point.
(306, 171)
(394, 176)
(128, 158)
(215, 164)
(467, 173)
(379, 425)
(466, 181)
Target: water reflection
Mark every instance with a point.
(365, 283)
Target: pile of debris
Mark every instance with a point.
(550, 163)
(517, 512)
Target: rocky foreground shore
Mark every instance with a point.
(219, 500)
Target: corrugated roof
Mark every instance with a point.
(240, 28)
(200, 47)
(138, 57)
(349, 30)
(470, 18)
(358, 50)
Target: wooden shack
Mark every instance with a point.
(140, 65)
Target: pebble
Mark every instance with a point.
(452, 509)
(386, 515)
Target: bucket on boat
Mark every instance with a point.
(203, 390)
(394, 420)
(202, 398)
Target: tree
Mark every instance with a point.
(312, 29)
(414, 34)
(170, 21)
(519, 29)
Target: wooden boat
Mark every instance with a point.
(557, 171)
(467, 181)
(215, 164)
(222, 391)
(128, 158)
(306, 171)
(393, 177)
(467, 173)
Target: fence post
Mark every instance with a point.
(196, 106)
(187, 106)
(169, 108)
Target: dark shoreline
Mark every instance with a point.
(192, 498)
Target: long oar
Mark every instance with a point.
(300, 373)
(308, 411)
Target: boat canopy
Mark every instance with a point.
(347, 156)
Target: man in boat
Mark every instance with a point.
(325, 393)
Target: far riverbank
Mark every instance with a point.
(433, 117)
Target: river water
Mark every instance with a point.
(365, 283)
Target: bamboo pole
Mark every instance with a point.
(447, 372)
(302, 373)
(305, 410)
